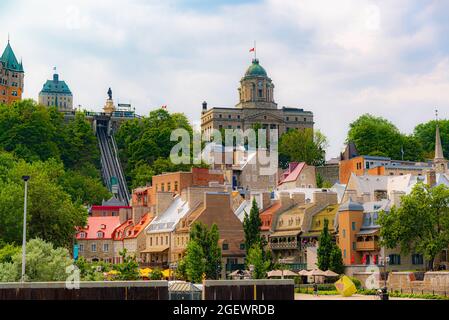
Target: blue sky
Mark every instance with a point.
(339, 59)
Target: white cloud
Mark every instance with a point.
(338, 59)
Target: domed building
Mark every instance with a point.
(256, 106)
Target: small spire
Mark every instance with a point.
(438, 147)
(8, 37)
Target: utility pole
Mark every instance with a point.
(24, 241)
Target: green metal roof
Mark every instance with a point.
(255, 70)
(9, 60)
(56, 86)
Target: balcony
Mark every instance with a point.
(284, 245)
(234, 266)
(370, 245)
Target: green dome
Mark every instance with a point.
(255, 70)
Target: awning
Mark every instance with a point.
(367, 232)
(155, 249)
(287, 233)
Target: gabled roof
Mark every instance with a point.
(9, 60)
(107, 225)
(167, 220)
(294, 174)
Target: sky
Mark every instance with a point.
(338, 59)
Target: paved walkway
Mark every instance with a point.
(303, 296)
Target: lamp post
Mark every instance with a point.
(25, 178)
(384, 291)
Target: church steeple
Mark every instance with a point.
(440, 163)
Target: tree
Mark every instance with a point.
(7, 252)
(424, 133)
(251, 227)
(44, 262)
(156, 274)
(52, 216)
(129, 268)
(255, 257)
(145, 145)
(377, 136)
(195, 261)
(325, 247)
(207, 239)
(420, 224)
(84, 189)
(302, 146)
(336, 260)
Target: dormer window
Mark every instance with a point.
(82, 235)
(100, 234)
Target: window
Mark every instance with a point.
(343, 233)
(82, 235)
(166, 240)
(93, 247)
(395, 259)
(229, 116)
(242, 246)
(105, 247)
(168, 186)
(157, 241)
(176, 186)
(220, 116)
(353, 225)
(417, 258)
(81, 247)
(238, 116)
(162, 187)
(151, 241)
(344, 253)
(353, 246)
(100, 234)
(225, 246)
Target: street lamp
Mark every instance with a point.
(384, 291)
(25, 178)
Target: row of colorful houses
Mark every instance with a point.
(293, 212)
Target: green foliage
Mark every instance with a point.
(251, 227)
(83, 188)
(421, 224)
(425, 135)
(255, 257)
(129, 268)
(207, 239)
(43, 263)
(7, 252)
(302, 146)
(321, 183)
(92, 271)
(336, 260)
(357, 283)
(34, 132)
(156, 274)
(195, 261)
(144, 145)
(329, 254)
(377, 136)
(51, 216)
(181, 271)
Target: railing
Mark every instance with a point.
(367, 245)
(297, 266)
(284, 245)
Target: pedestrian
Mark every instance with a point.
(315, 289)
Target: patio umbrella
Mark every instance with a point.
(235, 273)
(274, 273)
(289, 273)
(303, 273)
(316, 272)
(330, 274)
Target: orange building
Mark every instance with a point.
(177, 181)
(11, 77)
(350, 219)
(379, 166)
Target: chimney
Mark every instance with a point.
(124, 214)
(431, 178)
(163, 201)
(325, 197)
(266, 200)
(396, 197)
(286, 201)
(55, 77)
(299, 198)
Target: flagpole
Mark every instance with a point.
(255, 55)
